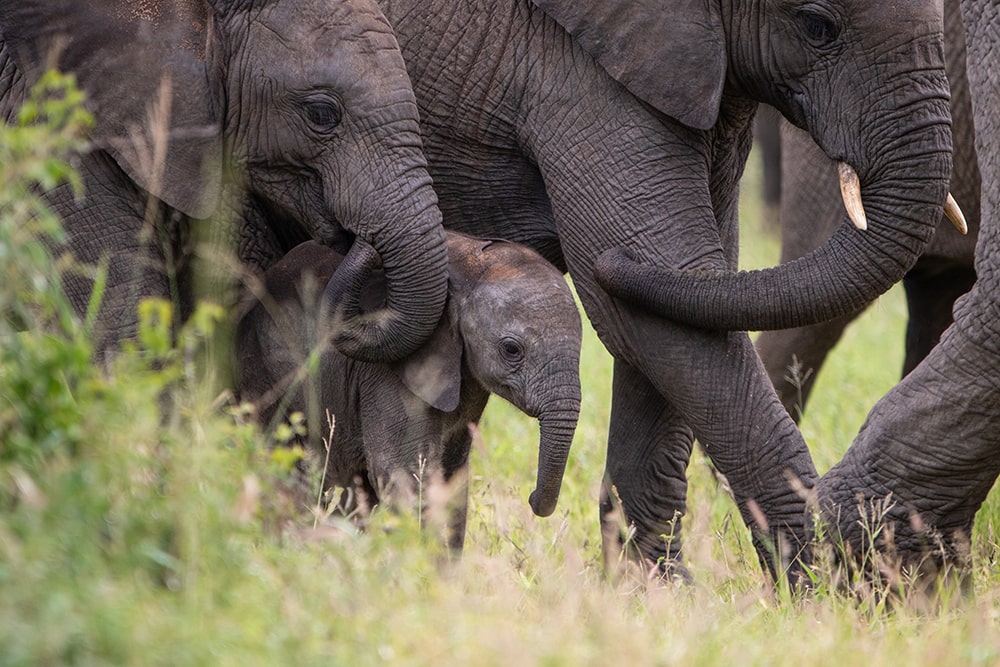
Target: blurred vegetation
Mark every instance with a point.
(143, 519)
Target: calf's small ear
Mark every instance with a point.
(434, 372)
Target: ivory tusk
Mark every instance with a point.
(850, 190)
(954, 213)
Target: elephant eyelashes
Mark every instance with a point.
(323, 114)
(819, 29)
(511, 351)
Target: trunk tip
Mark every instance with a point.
(542, 507)
(607, 268)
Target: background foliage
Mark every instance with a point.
(144, 521)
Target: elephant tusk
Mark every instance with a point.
(850, 190)
(954, 213)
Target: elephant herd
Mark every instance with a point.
(604, 138)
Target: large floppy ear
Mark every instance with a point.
(143, 68)
(434, 372)
(669, 53)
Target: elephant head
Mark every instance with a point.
(866, 80)
(521, 332)
(512, 326)
(307, 105)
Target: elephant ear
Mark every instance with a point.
(669, 53)
(434, 372)
(143, 69)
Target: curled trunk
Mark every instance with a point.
(903, 199)
(416, 283)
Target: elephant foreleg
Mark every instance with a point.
(714, 380)
(457, 503)
(927, 456)
(457, 444)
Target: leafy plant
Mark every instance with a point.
(44, 351)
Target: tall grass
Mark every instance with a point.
(144, 521)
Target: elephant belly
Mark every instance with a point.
(490, 192)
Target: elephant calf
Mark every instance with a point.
(510, 327)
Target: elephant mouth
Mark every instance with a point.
(794, 105)
(850, 192)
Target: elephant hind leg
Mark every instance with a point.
(932, 287)
(649, 447)
(793, 358)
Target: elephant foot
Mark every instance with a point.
(878, 544)
(624, 553)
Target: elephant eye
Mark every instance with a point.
(511, 350)
(323, 114)
(819, 29)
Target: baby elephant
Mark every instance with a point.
(510, 327)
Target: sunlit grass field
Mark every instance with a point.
(132, 538)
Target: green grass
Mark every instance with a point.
(149, 532)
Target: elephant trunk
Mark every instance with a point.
(556, 428)
(903, 196)
(415, 262)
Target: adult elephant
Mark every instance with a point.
(575, 127)
(811, 209)
(304, 107)
(929, 451)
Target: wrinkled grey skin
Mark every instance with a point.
(573, 160)
(811, 209)
(932, 444)
(510, 327)
(303, 110)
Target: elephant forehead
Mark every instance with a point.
(898, 20)
(500, 260)
(535, 302)
(328, 24)
(327, 44)
(473, 262)
(146, 10)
